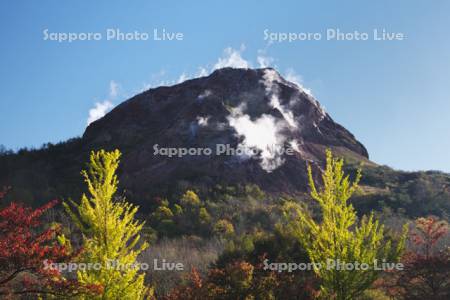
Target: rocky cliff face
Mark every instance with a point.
(256, 112)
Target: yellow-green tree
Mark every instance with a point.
(338, 237)
(111, 236)
(190, 216)
(224, 228)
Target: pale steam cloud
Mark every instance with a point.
(102, 108)
(262, 133)
(205, 94)
(294, 145)
(99, 110)
(183, 77)
(232, 58)
(113, 89)
(288, 115)
(266, 133)
(293, 77)
(263, 60)
(202, 71)
(270, 78)
(202, 121)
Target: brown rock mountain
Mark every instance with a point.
(247, 109)
(253, 109)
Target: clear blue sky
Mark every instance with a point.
(393, 95)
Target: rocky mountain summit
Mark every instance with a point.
(275, 124)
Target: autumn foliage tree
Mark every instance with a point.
(235, 281)
(242, 280)
(427, 267)
(27, 252)
(239, 274)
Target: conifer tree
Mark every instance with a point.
(110, 232)
(338, 237)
